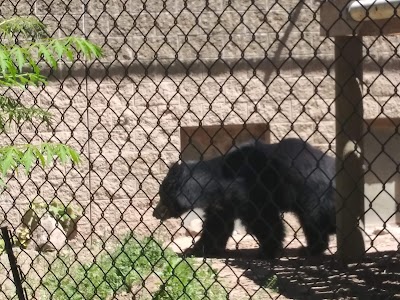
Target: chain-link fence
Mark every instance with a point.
(188, 80)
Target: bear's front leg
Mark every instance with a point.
(217, 229)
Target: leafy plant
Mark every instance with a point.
(272, 283)
(25, 47)
(185, 280)
(2, 246)
(22, 236)
(130, 263)
(67, 215)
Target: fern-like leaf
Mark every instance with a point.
(9, 157)
(19, 55)
(14, 58)
(29, 26)
(6, 62)
(55, 49)
(26, 156)
(45, 52)
(22, 80)
(12, 110)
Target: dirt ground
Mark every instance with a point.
(376, 277)
(293, 277)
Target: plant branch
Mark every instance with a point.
(13, 156)
(29, 26)
(13, 58)
(12, 110)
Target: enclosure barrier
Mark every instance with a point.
(190, 80)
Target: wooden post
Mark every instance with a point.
(342, 19)
(349, 164)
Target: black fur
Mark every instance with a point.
(255, 183)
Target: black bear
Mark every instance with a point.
(255, 183)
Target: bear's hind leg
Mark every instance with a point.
(317, 221)
(268, 228)
(317, 237)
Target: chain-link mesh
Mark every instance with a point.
(191, 80)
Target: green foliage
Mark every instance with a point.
(67, 215)
(130, 263)
(14, 57)
(28, 26)
(11, 110)
(24, 44)
(184, 280)
(272, 283)
(2, 246)
(22, 236)
(110, 273)
(11, 157)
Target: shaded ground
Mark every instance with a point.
(377, 277)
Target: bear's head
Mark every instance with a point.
(187, 185)
(172, 203)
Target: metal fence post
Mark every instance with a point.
(349, 165)
(13, 263)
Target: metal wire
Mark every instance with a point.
(189, 80)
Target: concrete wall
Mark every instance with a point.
(382, 181)
(173, 64)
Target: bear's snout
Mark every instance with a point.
(161, 212)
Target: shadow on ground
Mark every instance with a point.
(376, 277)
